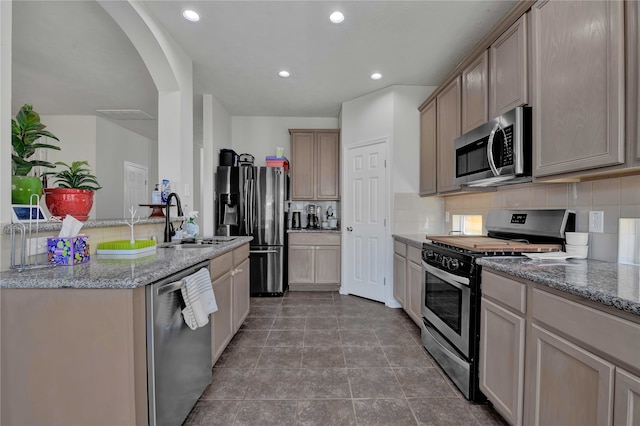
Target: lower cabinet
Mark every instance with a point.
(549, 358)
(627, 404)
(314, 261)
(502, 359)
(571, 386)
(407, 279)
(231, 281)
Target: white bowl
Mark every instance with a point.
(577, 238)
(579, 251)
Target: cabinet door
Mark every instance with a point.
(400, 279)
(414, 292)
(222, 326)
(328, 166)
(301, 264)
(502, 360)
(578, 85)
(327, 264)
(508, 69)
(475, 93)
(241, 293)
(627, 399)
(571, 386)
(303, 173)
(428, 139)
(448, 129)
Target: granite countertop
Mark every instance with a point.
(415, 240)
(315, 231)
(609, 283)
(92, 223)
(117, 273)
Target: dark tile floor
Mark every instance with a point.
(320, 358)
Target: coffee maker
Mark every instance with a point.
(312, 217)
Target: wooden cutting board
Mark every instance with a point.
(480, 243)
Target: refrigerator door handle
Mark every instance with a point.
(246, 208)
(253, 206)
(263, 251)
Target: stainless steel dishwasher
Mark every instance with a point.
(178, 358)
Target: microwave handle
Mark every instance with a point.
(492, 162)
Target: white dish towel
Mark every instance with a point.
(198, 298)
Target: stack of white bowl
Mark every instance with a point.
(576, 244)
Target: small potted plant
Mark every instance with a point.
(26, 129)
(74, 193)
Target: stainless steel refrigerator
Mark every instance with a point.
(251, 201)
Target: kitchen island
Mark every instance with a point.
(74, 347)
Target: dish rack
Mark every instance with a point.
(25, 251)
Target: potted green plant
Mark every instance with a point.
(74, 193)
(26, 129)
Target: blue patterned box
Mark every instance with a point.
(68, 251)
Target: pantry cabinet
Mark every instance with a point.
(315, 164)
(447, 129)
(578, 85)
(475, 93)
(508, 69)
(428, 141)
(314, 261)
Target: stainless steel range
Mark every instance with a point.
(451, 285)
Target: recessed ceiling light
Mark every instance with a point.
(376, 76)
(336, 17)
(284, 73)
(190, 15)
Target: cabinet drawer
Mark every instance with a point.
(400, 248)
(509, 292)
(314, 239)
(220, 265)
(240, 254)
(414, 254)
(604, 332)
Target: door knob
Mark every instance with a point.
(349, 228)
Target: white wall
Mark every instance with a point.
(115, 145)
(259, 136)
(367, 118)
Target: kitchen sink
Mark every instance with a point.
(197, 242)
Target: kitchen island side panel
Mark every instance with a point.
(73, 357)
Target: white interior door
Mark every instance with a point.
(135, 188)
(365, 221)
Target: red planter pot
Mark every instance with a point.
(64, 201)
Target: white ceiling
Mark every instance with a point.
(72, 58)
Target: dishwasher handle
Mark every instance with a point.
(171, 287)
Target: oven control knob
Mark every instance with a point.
(453, 264)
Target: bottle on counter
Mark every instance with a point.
(156, 196)
(166, 190)
(192, 229)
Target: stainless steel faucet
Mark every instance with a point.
(168, 226)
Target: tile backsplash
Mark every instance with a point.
(301, 206)
(418, 215)
(616, 197)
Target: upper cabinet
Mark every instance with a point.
(315, 164)
(428, 139)
(578, 87)
(475, 91)
(508, 69)
(447, 130)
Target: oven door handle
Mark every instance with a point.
(444, 275)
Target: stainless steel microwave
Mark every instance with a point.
(496, 153)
